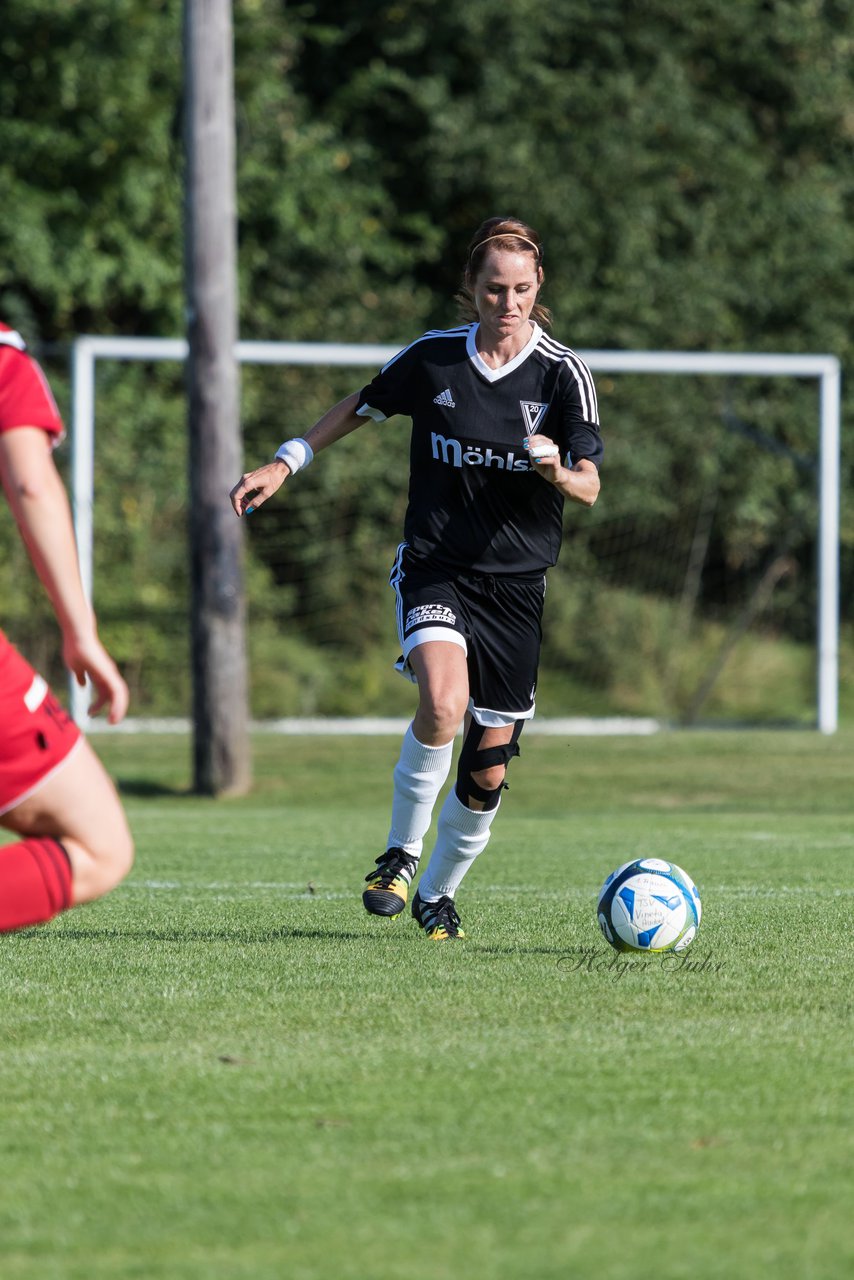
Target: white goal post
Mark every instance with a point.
(825, 368)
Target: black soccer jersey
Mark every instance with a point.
(475, 501)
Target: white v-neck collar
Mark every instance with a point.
(494, 375)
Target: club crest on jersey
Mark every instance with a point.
(533, 412)
(459, 453)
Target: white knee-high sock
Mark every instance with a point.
(462, 834)
(418, 778)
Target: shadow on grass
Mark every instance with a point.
(148, 789)
(257, 937)
(491, 950)
(244, 936)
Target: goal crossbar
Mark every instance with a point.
(86, 350)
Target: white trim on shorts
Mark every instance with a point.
(425, 634)
(484, 716)
(31, 791)
(36, 693)
(498, 719)
(420, 637)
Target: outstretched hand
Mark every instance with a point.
(255, 487)
(89, 658)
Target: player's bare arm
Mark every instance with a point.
(579, 483)
(255, 487)
(40, 505)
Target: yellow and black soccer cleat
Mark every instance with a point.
(388, 886)
(439, 919)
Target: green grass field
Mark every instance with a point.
(226, 1070)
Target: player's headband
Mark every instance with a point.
(502, 235)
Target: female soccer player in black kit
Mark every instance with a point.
(504, 429)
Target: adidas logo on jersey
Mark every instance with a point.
(445, 399)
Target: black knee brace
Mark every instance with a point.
(473, 758)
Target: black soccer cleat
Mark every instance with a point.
(388, 886)
(439, 919)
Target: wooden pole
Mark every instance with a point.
(220, 718)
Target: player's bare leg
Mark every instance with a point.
(441, 670)
(78, 806)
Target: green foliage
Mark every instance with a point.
(91, 234)
(689, 167)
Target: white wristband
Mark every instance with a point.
(297, 453)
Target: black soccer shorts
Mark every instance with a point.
(496, 619)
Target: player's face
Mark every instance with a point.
(505, 291)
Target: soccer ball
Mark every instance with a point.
(649, 905)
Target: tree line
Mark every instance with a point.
(687, 164)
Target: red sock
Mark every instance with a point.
(35, 882)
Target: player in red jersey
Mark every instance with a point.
(75, 843)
